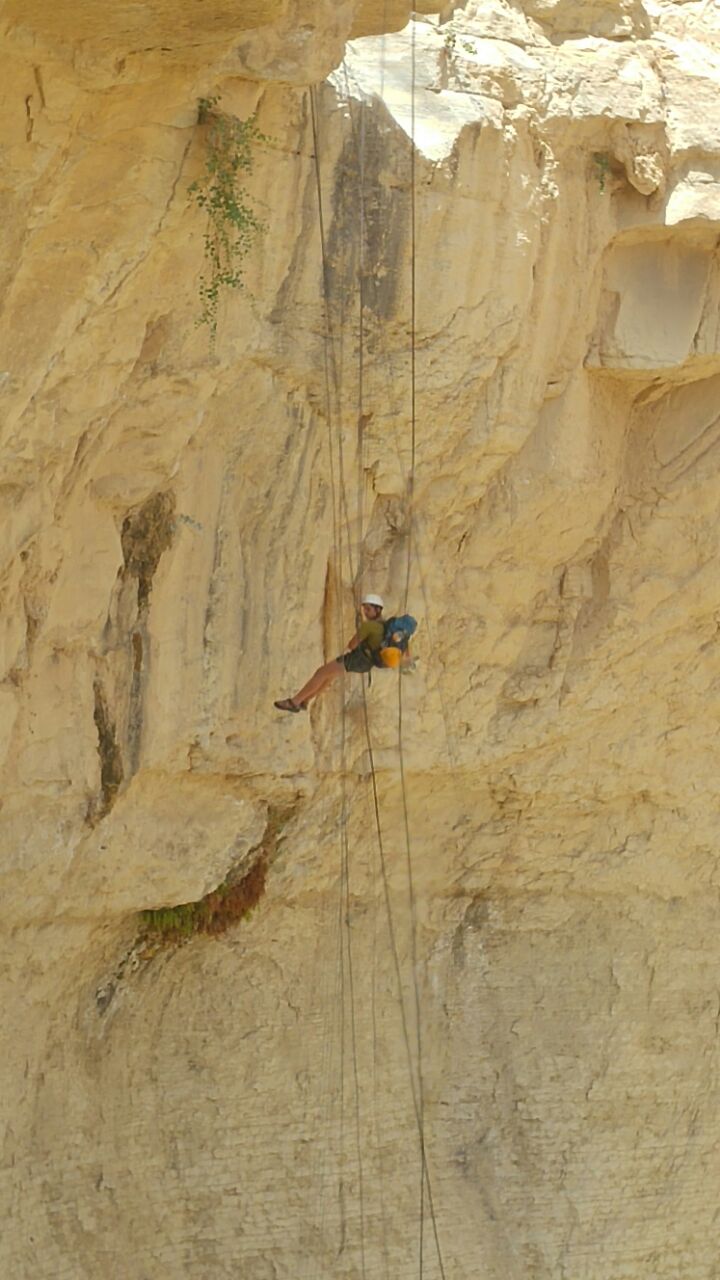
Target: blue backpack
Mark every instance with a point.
(398, 632)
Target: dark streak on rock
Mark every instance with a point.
(111, 765)
(37, 73)
(147, 532)
(29, 127)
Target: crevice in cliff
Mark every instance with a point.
(147, 531)
(135, 716)
(34, 610)
(37, 76)
(111, 765)
(30, 125)
(327, 611)
(232, 900)
(227, 905)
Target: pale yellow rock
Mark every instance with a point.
(159, 823)
(528, 961)
(654, 303)
(612, 19)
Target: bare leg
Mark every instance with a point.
(319, 681)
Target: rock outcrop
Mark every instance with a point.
(496, 395)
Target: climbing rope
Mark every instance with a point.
(403, 786)
(418, 1090)
(413, 344)
(361, 346)
(332, 378)
(398, 976)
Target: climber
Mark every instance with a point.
(361, 655)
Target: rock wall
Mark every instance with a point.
(523, 968)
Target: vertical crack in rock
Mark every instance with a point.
(38, 78)
(34, 609)
(136, 697)
(147, 532)
(111, 765)
(327, 610)
(30, 126)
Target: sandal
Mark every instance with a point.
(287, 704)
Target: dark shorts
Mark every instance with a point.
(356, 660)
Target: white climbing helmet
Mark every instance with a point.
(369, 598)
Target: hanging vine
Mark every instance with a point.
(233, 224)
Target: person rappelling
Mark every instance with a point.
(377, 642)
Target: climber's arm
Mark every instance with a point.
(361, 635)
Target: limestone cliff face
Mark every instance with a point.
(183, 533)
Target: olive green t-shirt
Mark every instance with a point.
(372, 635)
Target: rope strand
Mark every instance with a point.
(344, 903)
(416, 1085)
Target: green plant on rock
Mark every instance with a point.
(601, 160)
(228, 904)
(233, 224)
(233, 900)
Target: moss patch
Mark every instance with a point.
(225, 906)
(216, 912)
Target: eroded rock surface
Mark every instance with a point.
(183, 529)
